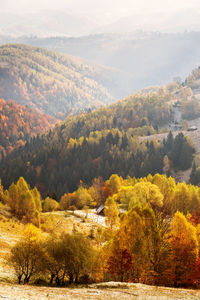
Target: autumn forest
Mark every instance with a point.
(104, 190)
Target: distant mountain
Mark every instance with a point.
(141, 58)
(53, 83)
(18, 124)
(162, 21)
(45, 23)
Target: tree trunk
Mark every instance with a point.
(57, 281)
(19, 279)
(76, 279)
(63, 279)
(52, 278)
(27, 279)
(71, 278)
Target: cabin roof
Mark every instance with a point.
(100, 209)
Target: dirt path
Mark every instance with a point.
(92, 216)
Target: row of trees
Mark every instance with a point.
(61, 259)
(136, 111)
(149, 249)
(25, 203)
(55, 164)
(159, 191)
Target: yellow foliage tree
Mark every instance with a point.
(27, 256)
(24, 202)
(115, 183)
(184, 248)
(146, 192)
(111, 213)
(50, 205)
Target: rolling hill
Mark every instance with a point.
(53, 83)
(143, 58)
(45, 23)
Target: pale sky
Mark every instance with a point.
(110, 9)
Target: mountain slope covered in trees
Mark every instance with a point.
(53, 83)
(146, 58)
(18, 124)
(105, 141)
(100, 143)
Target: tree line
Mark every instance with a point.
(56, 165)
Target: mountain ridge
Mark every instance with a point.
(54, 83)
(142, 58)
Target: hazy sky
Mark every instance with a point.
(108, 9)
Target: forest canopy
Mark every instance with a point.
(55, 164)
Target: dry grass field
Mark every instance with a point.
(107, 291)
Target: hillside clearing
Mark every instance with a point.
(194, 135)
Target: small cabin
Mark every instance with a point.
(100, 210)
(192, 128)
(177, 104)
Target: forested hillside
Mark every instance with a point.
(18, 124)
(146, 58)
(56, 164)
(53, 83)
(103, 142)
(144, 112)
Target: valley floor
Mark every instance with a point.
(103, 291)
